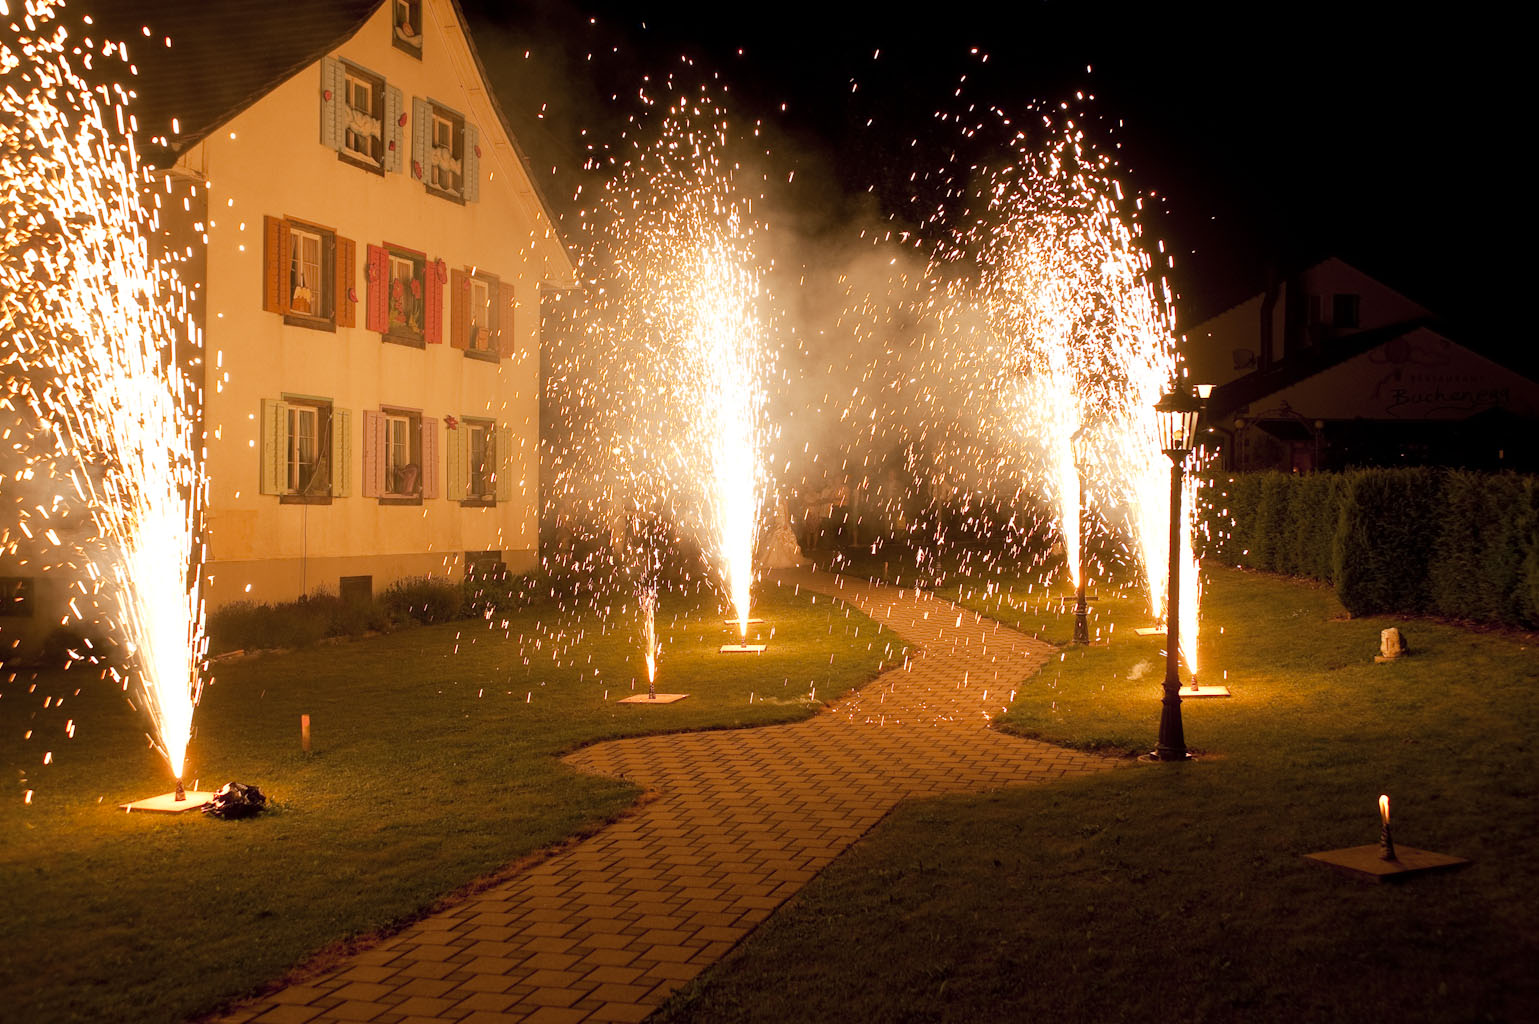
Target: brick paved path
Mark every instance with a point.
(607, 929)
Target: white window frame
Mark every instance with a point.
(441, 178)
(299, 235)
(294, 466)
(374, 145)
(398, 437)
(483, 471)
(482, 293)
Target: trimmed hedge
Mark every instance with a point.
(1444, 542)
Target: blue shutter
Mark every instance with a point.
(333, 84)
(472, 164)
(421, 125)
(393, 132)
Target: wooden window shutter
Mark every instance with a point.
(333, 103)
(377, 289)
(275, 446)
(395, 123)
(436, 273)
(504, 463)
(430, 476)
(373, 453)
(346, 294)
(275, 265)
(341, 453)
(506, 345)
(472, 164)
(421, 125)
(459, 299)
(459, 458)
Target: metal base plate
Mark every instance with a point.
(733, 622)
(661, 698)
(167, 803)
(1364, 862)
(1149, 631)
(741, 649)
(1204, 691)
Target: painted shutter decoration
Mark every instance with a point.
(504, 463)
(395, 124)
(341, 453)
(373, 453)
(437, 273)
(459, 300)
(430, 476)
(421, 125)
(345, 298)
(275, 265)
(472, 164)
(459, 457)
(275, 446)
(333, 105)
(377, 271)
(506, 345)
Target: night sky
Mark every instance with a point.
(1276, 138)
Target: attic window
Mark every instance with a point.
(1344, 310)
(406, 26)
(364, 116)
(446, 166)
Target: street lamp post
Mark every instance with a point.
(1177, 415)
(1081, 610)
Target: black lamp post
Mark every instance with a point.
(1081, 610)
(1177, 416)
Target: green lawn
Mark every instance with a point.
(434, 764)
(1179, 892)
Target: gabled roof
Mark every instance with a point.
(1306, 363)
(225, 55)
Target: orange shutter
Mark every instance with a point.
(436, 274)
(459, 298)
(506, 345)
(346, 300)
(275, 265)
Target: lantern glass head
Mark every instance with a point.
(1177, 414)
(1079, 444)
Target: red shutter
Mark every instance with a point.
(459, 295)
(377, 270)
(346, 300)
(506, 345)
(275, 264)
(437, 274)
(373, 453)
(430, 457)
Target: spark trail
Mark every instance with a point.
(96, 345)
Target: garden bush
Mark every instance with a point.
(424, 599)
(1454, 543)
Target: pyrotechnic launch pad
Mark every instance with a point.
(1203, 691)
(656, 698)
(734, 622)
(167, 803)
(741, 649)
(1149, 631)
(1368, 864)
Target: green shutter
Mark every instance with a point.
(275, 446)
(458, 452)
(504, 463)
(471, 164)
(341, 453)
(333, 84)
(394, 107)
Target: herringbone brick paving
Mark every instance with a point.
(607, 929)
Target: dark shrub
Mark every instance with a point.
(1384, 539)
(1268, 540)
(424, 599)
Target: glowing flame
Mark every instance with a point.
(648, 603)
(1384, 808)
(91, 323)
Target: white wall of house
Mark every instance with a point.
(269, 161)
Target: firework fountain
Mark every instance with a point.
(678, 330)
(91, 322)
(1087, 335)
